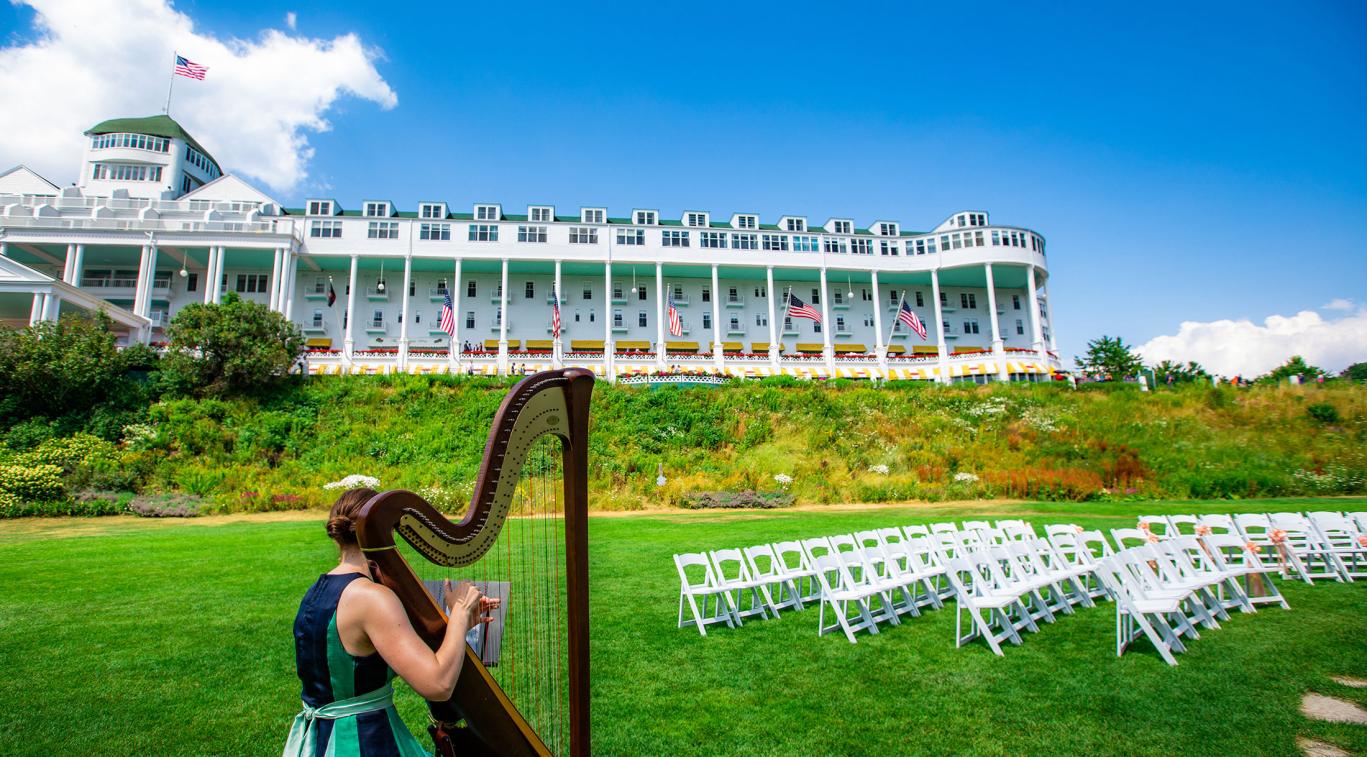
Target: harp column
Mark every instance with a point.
(1036, 334)
(348, 339)
(609, 369)
(826, 349)
(939, 326)
(406, 309)
(557, 351)
(998, 349)
(503, 321)
(456, 349)
(878, 326)
(716, 320)
(773, 325)
(661, 349)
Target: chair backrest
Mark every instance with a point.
(730, 564)
(1125, 538)
(1016, 529)
(1184, 524)
(1231, 551)
(692, 560)
(1155, 524)
(1253, 526)
(891, 536)
(943, 528)
(817, 547)
(1219, 524)
(914, 531)
(976, 525)
(792, 556)
(1094, 543)
(1334, 524)
(1067, 531)
(763, 562)
(1360, 518)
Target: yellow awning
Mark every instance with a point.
(924, 349)
(810, 346)
(737, 346)
(632, 344)
(764, 346)
(896, 349)
(962, 350)
(681, 346)
(850, 348)
(586, 345)
(540, 344)
(492, 344)
(319, 341)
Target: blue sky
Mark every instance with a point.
(1193, 162)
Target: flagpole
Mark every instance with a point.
(895, 316)
(171, 87)
(664, 345)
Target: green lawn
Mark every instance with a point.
(128, 636)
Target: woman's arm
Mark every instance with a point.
(431, 674)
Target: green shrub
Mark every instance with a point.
(11, 506)
(32, 482)
(1323, 412)
(735, 500)
(235, 348)
(165, 505)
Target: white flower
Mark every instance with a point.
(964, 477)
(783, 479)
(879, 469)
(354, 481)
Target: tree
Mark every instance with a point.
(56, 368)
(237, 347)
(1355, 372)
(1109, 355)
(1296, 366)
(1192, 371)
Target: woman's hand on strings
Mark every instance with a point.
(464, 600)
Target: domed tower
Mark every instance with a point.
(152, 157)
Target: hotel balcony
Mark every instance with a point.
(376, 327)
(437, 294)
(318, 292)
(735, 301)
(377, 293)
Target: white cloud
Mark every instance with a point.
(1338, 303)
(292, 20)
(1245, 348)
(91, 60)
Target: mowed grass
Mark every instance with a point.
(127, 636)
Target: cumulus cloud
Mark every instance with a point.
(1338, 303)
(292, 20)
(91, 59)
(1245, 348)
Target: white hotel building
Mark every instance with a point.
(153, 224)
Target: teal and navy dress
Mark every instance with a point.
(348, 702)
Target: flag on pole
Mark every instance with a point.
(448, 316)
(332, 294)
(189, 69)
(799, 309)
(906, 315)
(675, 320)
(555, 314)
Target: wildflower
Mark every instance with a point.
(354, 481)
(881, 470)
(964, 477)
(783, 479)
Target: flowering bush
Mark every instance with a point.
(964, 477)
(354, 481)
(165, 506)
(10, 505)
(32, 482)
(783, 479)
(881, 470)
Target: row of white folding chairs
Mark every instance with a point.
(1316, 545)
(1164, 589)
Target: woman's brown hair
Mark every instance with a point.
(342, 516)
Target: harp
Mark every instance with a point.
(524, 684)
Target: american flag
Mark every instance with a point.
(448, 316)
(906, 315)
(675, 320)
(799, 309)
(555, 314)
(188, 68)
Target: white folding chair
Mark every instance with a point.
(1126, 538)
(1197, 561)
(842, 595)
(1234, 554)
(1256, 529)
(1345, 540)
(925, 553)
(908, 568)
(1162, 574)
(738, 585)
(796, 569)
(702, 586)
(776, 584)
(1137, 615)
(867, 566)
(1145, 581)
(1305, 542)
(1016, 529)
(1157, 525)
(1184, 524)
(1218, 524)
(1067, 546)
(994, 606)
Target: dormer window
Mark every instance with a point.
(486, 213)
(645, 218)
(377, 209)
(593, 215)
(963, 219)
(432, 210)
(320, 207)
(795, 224)
(747, 222)
(843, 227)
(695, 219)
(540, 214)
(887, 229)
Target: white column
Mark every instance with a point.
(277, 267)
(557, 350)
(67, 261)
(661, 349)
(717, 356)
(1036, 334)
(36, 311)
(210, 267)
(219, 262)
(998, 348)
(151, 280)
(140, 285)
(4, 249)
(50, 305)
(348, 339)
(826, 349)
(290, 277)
(503, 322)
(79, 264)
(939, 325)
(878, 325)
(609, 369)
(1049, 316)
(456, 352)
(773, 320)
(406, 309)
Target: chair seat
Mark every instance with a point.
(1155, 605)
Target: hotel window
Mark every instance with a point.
(588, 293)
(712, 239)
(838, 297)
(617, 291)
(192, 282)
(930, 245)
(251, 282)
(125, 172)
(470, 319)
(970, 327)
(747, 222)
(840, 324)
(641, 292)
(958, 242)
(920, 247)
(944, 299)
(707, 320)
(977, 239)
(441, 286)
(674, 238)
(1020, 327)
(641, 319)
(431, 210)
(744, 242)
(962, 219)
(887, 229)
(861, 246)
(435, 231)
(760, 292)
(617, 319)
(325, 229)
(486, 212)
(796, 224)
(996, 237)
(470, 288)
(678, 292)
(733, 294)
(816, 296)
(320, 208)
(530, 290)
(735, 323)
(774, 242)
(887, 248)
(644, 218)
(707, 294)
(945, 329)
(383, 230)
(483, 232)
(968, 300)
(920, 300)
(317, 319)
(843, 227)
(806, 244)
(788, 324)
(539, 215)
(412, 287)
(695, 219)
(1015, 302)
(377, 209)
(592, 215)
(583, 235)
(631, 237)
(835, 245)
(816, 327)
(532, 234)
(944, 242)
(868, 320)
(761, 319)
(377, 318)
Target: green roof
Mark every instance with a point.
(156, 126)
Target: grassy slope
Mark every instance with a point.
(414, 432)
(126, 636)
